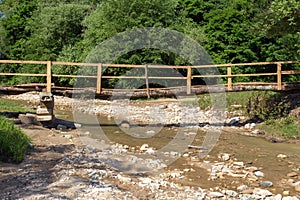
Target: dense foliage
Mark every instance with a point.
(232, 31)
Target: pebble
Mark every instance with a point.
(282, 156)
(297, 188)
(68, 136)
(216, 194)
(61, 127)
(259, 173)
(266, 184)
(292, 174)
(290, 198)
(144, 147)
(286, 192)
(247, 191)
(231, 193)
(242, 187)
(262, 192)
(224, 156)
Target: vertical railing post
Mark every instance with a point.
(147, 81)
(229, 73)
(48, 87)
(279, 83)
(189, 81)
(99, 79)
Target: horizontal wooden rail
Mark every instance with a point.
(101, 67)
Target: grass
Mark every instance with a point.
(288, 127)
(14, 144)
(13, 106)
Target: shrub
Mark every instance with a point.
(14, 144)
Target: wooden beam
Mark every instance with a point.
(99, 79)
(48, 88)
(23, 62)
(189, 81)
(147, 82)
(290, 72)
(279, 83)
(229, 74)
(19, 74)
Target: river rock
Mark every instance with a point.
(216, 194)
(266, 184)
(282, 156)
(262, 192)
(297, 188)
(125, 124)
(28, 118)
(259, 173)
(231, 193)
(292, 174)
(242, 187)
(61, 127)
(234, 120)
(290, 198)
(276, 197)
(250, 126)
(150, 132)
(144, 147)
(224, 156)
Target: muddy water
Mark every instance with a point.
(253, 151)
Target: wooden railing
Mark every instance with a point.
(279, 72)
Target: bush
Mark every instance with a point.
(14, 144)
(268, 106)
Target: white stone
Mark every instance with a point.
(224, 156)
(282, 156)
(259, 173)
(150, 132)
(262, 192)
(290, 198)
(144, 147)
(216, 194)
(150, 151)
(234, 120)
(242, 187)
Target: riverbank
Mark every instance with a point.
(60, 167)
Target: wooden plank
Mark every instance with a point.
(147, 81)
(143, 77)
(76, 64)
(99, 79)
(167, 77)
(23, 62)
(208, 76)
(259, 74)
(229, 74)
(48, 88)
(19, 74)
(279, 83)
(189, 81)
(72, 76)
(125, 77)
(291, 72)
(245, 64)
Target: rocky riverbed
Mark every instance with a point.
(62, 167)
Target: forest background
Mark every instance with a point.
(231, 31)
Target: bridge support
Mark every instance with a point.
(45, 109)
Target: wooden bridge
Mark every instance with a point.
(185, 89)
